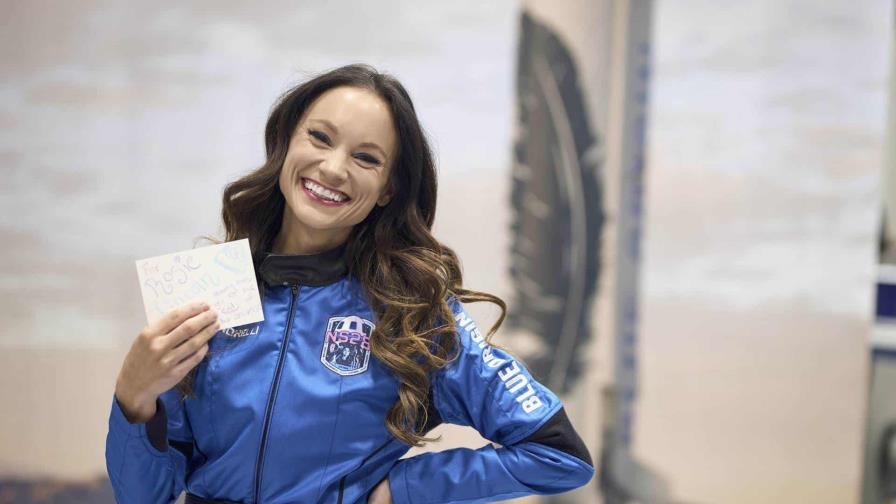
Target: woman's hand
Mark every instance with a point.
(161, 355)
(381, 493)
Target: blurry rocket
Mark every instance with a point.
(578, 164)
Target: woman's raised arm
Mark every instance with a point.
(149, 446)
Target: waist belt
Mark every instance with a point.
(195, 499)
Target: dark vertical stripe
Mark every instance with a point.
(886, 300)
(273, 393)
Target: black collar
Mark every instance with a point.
(314, 270)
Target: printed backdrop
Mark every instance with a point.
(121, 123)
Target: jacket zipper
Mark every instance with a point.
(273, 393)
(368, 457)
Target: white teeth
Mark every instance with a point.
(323, 192)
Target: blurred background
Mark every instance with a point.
(716, 181)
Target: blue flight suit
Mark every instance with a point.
(292, 409)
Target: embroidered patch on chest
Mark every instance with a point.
(346, 348)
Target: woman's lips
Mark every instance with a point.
(325, 202)
(304, 179)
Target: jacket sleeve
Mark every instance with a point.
(489, 390)
(147, 462)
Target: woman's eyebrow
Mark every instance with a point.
(333, 127)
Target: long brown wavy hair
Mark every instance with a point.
(405, 273)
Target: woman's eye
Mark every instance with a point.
(369, 159)
(320, 135)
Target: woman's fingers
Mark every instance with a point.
(190, 362)
(155, 362)
(188, 328)
(175, 317)
(192, 344)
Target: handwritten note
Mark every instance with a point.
(221, 275)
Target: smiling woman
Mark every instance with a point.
(333, 173)
(365, 345)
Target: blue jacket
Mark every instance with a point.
(292, 409)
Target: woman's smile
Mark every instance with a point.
(323, 195)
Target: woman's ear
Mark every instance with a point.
(386, 197)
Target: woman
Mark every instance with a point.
(365, 344)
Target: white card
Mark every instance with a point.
(221, 275)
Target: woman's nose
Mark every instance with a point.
(333, 171)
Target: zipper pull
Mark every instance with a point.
(295, 288)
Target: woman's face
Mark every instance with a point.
(336, 168)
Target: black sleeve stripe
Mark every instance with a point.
(157, 427)
(157, 432)
(559, 433)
